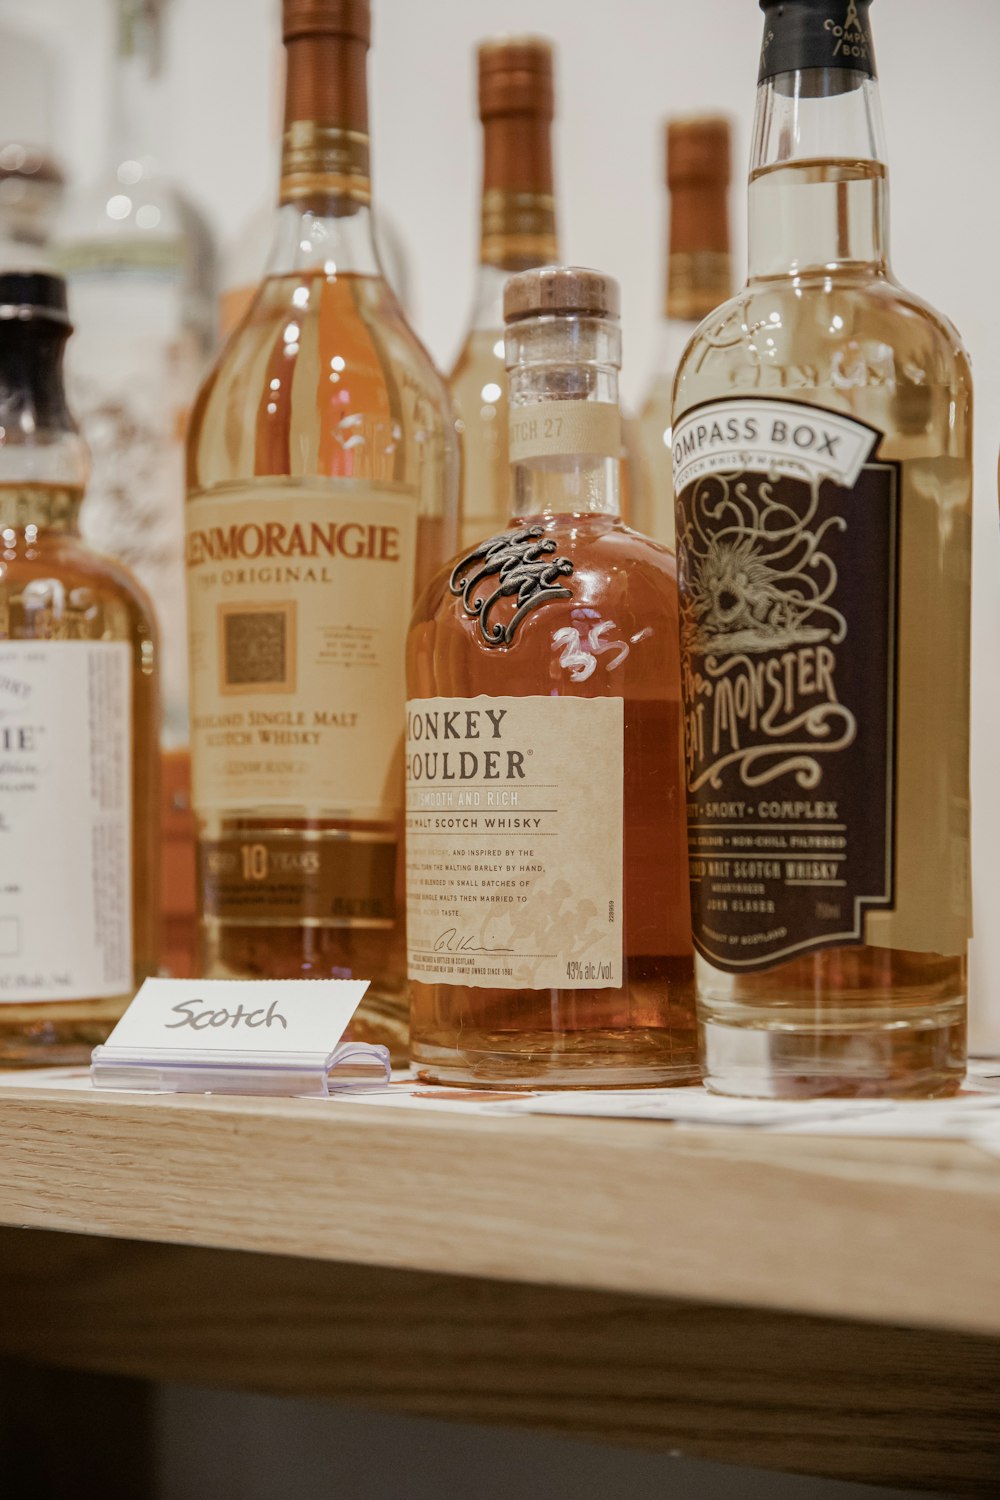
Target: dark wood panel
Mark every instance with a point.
(70, 1436)
(807, 1395)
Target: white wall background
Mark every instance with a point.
(621, 69)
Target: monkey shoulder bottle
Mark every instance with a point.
(822, 432)
(547, 903)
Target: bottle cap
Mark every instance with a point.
(516, 77)
(698, 150)
(346, 18)
(566, 290)
(831, 35)
(27, 295)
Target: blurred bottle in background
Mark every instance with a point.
(516, 106)
(140, 264)
(699, 278)
(31, 180)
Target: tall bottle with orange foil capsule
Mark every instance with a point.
(322, 489)
(699, 278)
(548, 920)
(516, 106)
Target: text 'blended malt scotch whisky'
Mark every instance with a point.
(516, 106)
(321, 489)
(547, 902)
(79, 752)
(699, 278)
(822, 463)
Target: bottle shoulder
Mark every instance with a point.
(60, 579)
(570, 578)
(837, 334)
(323, 375)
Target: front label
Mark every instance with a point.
(513, 858)
(787, 565)
(318, 878)
(299, 595)
(65, 820)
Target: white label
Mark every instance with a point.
(299, 595)
(770, 436)
(65, 820)
(513, 858)
(213, 1016)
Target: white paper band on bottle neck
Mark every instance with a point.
(552, 428)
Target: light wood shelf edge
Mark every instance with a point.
(891, 1232)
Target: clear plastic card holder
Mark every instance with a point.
(169, 1070)
(241, 1036)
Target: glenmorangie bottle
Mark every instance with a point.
(822, 437)
(322, 481)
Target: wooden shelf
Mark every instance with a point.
(726, 1293)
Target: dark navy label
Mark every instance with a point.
(802, 34)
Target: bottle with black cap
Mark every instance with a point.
(822, 432)
(79, 717)
(547, 907)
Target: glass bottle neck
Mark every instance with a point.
(699, 264)
(565, 421)
(136, 114)
(318, 236)
(324, 217)
(818, 198)
(518, 210)
(43, 459)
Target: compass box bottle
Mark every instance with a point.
(79, 719)
(822, 438)
(322, 480)
(548, 921)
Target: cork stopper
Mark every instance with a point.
(516, 77)
(351, 19)
(561, 291)
(698, 150)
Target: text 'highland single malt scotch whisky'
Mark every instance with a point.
(547, 902)
(822, 462)
(322, 482)
(699, 278)
(79, 718)
(516, 106)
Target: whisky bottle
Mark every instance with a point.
(322, 479)
(547, 904)
(822, 463)
(699, 278)
(79, 838)
(140, 263)
(518, 230)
